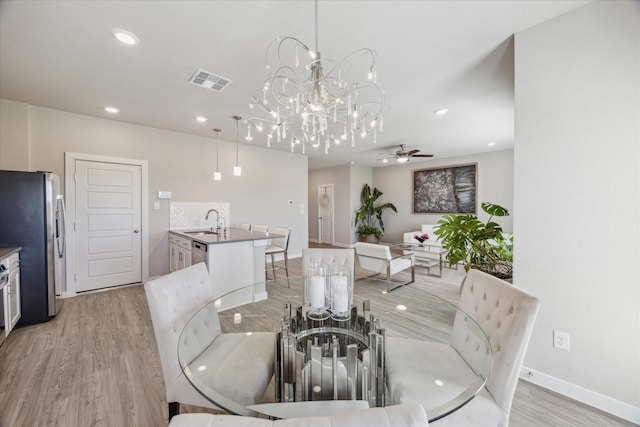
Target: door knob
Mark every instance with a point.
(136, 231)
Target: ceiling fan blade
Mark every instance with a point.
(412, 152)
(422, 155)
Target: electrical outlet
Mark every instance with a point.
(561, 340)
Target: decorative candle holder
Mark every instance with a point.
(341, 291)
(316, 294)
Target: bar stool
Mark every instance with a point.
(278, 246)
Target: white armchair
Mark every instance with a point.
(172, 300)
(378, 258)
(390, 416)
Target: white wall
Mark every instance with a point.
(494, 184)
(180, 163)
(577, 198)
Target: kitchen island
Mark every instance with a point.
(235, 258)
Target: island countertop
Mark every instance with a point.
(5, 252)
(232, 235)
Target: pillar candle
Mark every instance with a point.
(317, 291)
(341, 302)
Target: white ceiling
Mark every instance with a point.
(430, 54)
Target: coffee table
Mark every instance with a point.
(378, 317)
(425, 255)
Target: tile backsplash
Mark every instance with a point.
(187, 215)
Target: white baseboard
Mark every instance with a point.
(591, 398)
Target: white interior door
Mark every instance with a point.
(108, 222)
(325, 213)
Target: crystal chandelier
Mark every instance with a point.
(315, 103)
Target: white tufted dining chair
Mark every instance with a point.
(506, 315)
(172, 300)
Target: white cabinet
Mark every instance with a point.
(179, 252)
(11, 292)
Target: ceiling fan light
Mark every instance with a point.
(402, 159)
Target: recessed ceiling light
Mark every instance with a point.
(112, 110)
(201, 119)
(352, 162)
(441, 111)
(491, 144)
(126, 37)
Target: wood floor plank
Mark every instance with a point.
(96, 364)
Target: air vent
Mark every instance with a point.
(209, 80)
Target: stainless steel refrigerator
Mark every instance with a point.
(32, 216)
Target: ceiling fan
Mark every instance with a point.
(402, 155)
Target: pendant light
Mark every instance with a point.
(237, 170)
(217, 175)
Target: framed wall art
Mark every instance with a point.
(450, 189)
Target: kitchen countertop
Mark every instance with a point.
(5, 252)
(232, 235)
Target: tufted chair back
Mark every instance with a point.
(506, 314)
(172, 300)
(329, 256)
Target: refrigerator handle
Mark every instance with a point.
(61, 226)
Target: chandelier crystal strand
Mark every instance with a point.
(306, 97)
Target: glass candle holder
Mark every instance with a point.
(315, 290)
(341, 291)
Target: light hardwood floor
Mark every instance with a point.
(96, 364)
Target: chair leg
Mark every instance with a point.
(174, 409)
(273, 267)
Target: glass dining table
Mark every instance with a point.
(331, 365)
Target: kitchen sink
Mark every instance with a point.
(200, 233)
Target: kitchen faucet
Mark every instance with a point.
(206, 218)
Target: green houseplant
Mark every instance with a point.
(478, 245)
(368, 218)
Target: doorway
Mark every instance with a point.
(325, 214)
(107, 214)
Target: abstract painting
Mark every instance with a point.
(445, 190)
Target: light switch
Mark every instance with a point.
(164, 194)
(156, 205)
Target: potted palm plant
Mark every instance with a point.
(368, 220)
(478, 245)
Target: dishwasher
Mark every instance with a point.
(198, 253)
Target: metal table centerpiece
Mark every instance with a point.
(332, 358)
